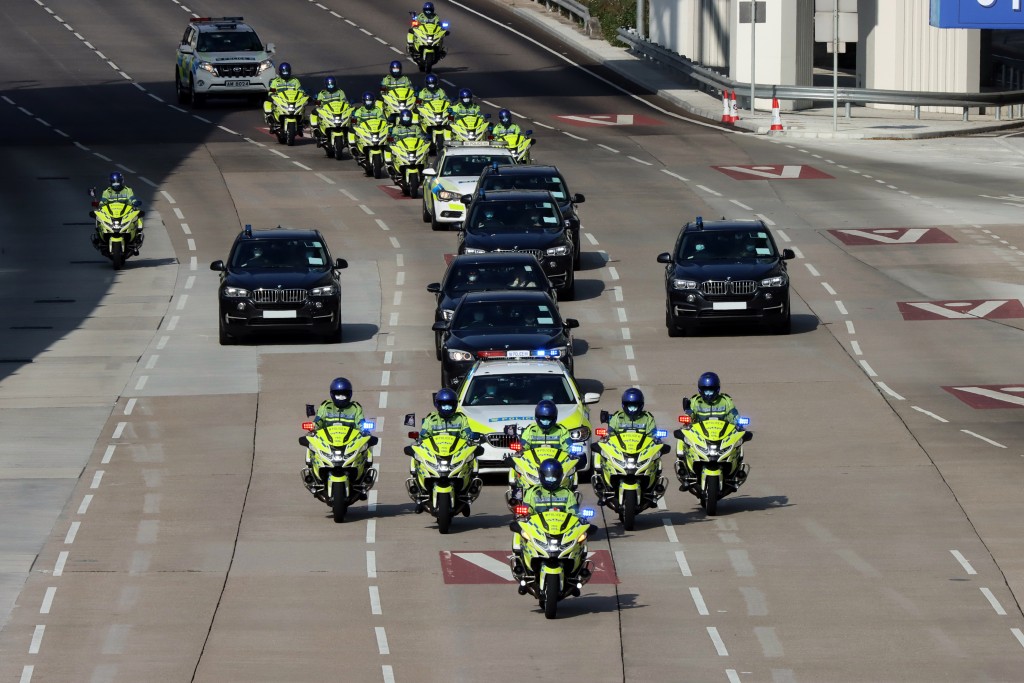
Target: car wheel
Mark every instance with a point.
(183, 95)
(198, 99)
(673, 329)
(226, 339)
(426, 214)
(437, 346)
(785, 325)
(333, 336)
(446, 380)
(434, 225)
(577, 260)
(569, 293)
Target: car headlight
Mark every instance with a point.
(473, 250)
(329, 290)
(264, 65)
(236, 293)
(447, 313)
(777, 281)
(557, 251)
(459, 356)
(448, 195)
(684, 284)
(206, 66)
(580, 434)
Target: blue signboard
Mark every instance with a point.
(977, 14)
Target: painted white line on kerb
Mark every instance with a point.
(62, 559)
(182, 300)
(375, 600)
(302, 166)
(983, 438)
(72, 532)
(733, 676)
(179, 214)
(812, 270)
(371, 530)
(709, 190)
(630, 355)
(1018, 635)
(168, 197)
(394, 242)
(698, 600)
(84, 507)
(741, 205)
(626, 336)
(185, 229)
(382, 224)
(929, 414)
(963, 562)
(385, 378)
(141, 383)
(119, 430)
(994, 602)
(621, 312)
(109, 453)
(371, 564)
(684, 566)
(868, 369)
(670, 531)
(885, 387)
(48, 600)
(96, 479)
(382, 400)
(717, 640)
(371, 500)
(393, 321)
(324, 178)
(828, 288)
(37, 640)
(191, 244)
(382, 640)
(841, 308)
(397, 300)
(633, 377)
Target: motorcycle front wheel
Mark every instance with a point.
(378, 168)
(627, 512)
(551, 589)
(340, 504)
(444, 512)
(711, 488)
(117, 255)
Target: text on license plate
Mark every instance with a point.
(518, 354)
(278, 314)
(238, 83)
(729, 305)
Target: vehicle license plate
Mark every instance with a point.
(238, 83)
(518, 354)
(278, 314)
(729, 305)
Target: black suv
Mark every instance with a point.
(537, 177)
(279, 279)
(519, 324)
(527, 221)
(483, 273)
(727, 270)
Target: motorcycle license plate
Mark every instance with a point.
(279, 314)
(729, 305)
(238, 83)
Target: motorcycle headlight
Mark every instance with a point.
(338, 456)
(777, 281)
(459, 356)
(448, 196)
(447, 313)
(557, 251)
(684, 284)
(329, 290)
(580, 434)
(443, 467)
(236, 293)
(338, 120)
(207, 67)
(374, 138)
(554, 545)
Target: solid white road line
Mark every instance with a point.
(885, 387)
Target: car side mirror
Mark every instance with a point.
(186, 49)
(92, 214)
(788, 254)
(303, 441)
(678, 434)
(665, 257)
(409, 451)
(440, 326)
(571, 323)
(591, 397)
(217, 265)
(310, 410)
(604, 416)
(434, 288)
(340, 264)
(686, 403)
(578, 198)
(747, 436)
(271, 48)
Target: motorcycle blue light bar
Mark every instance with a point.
(576, 449)
(445, 24)
(743, 421)
(586, 513)
(660, 433)
(367, 425)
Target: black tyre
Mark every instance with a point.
(378, 168)
(711, 489)
(569, 293)
(334, 336)
(437, 345)
(785, 325)
(281, 137)
(425, 214)
(329, 151)
(198, 99)
(444, 512)
(117, 255)
(340, 504)
(628, 511)
(406, 190)
(289, 137)
(226, 339)
(414, 190)
(182, 94)
(435, 226)
(577, 260)
(551, 589)
(670, 325)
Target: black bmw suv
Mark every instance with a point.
(727, 270)
(280, 279)
(537, 177)
(526, 221)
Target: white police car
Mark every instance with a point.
(222, 57)
(456, 174)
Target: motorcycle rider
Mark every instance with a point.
(282, 81)
(405, 127)
(369, 109)
(545, 431)
(118, 191)
(711, 402)
(426, 16)
(394, 78)
(631, 416)
(339, 408)
(432, 90)
(549, 495)
(465, 105)
(504, 126)
(446, 417)
(330, 93)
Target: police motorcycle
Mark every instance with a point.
(445, 482)
(709, 457)
(524, 470)
(629, 480)
(553, 553)
(118, 228)
(395, 100)
(330, 124)
(287, 113)
(519, 143)
(470, 128)
(435, 122)
(428, 43)
(371, 137)
(339, 460)
(407, 159)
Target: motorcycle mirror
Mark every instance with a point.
(142, 214)
(514, 527)
(373, 441)
(686, 403)
(478, 451)
(604, 416)
(303, 441)
(409, 420)
(310, 410)
(92, 214)
(408, 451)
(678, 433)
(665, 448)
(747, 436)
(92, 191)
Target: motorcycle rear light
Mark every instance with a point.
(522, 510)
(515, 446)
(414, 435)
(601, 432)
(684, 419)
(308, 426)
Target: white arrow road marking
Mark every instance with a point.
(997, 395)
(910, 236)
(488, 563)
(787, 172)
(946, 311)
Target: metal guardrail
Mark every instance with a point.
(708, 80)
(572, 8)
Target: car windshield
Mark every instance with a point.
(257, 254)
(551, 183)
(514, 217)
(471, 164)
(229, 41)
(521, 389)
(506, 316)
(483, 276)
(732, 245)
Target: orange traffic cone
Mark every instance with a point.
(725, 107)
(734, 115)
(776, 117)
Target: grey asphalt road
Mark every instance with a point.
(153, 525)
